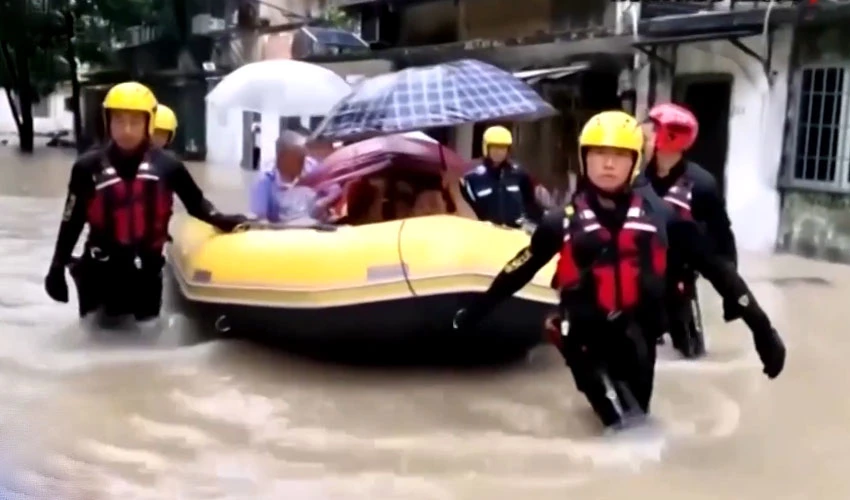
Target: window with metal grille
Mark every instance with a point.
(821, 153)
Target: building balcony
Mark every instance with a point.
(659, 8)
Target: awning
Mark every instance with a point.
(534, 76)
(648, 45)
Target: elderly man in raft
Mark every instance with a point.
(386, 195)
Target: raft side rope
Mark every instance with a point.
(401, 262)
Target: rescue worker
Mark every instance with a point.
(498, 190)
(164, 126)
(693, 192)
(124, 192)
(613, 244)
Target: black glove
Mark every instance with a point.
(228, 222)
(526, 225)
(771, 350)
(55, 284)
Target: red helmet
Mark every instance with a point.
(676, 128)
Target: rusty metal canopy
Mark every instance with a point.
(534, 76)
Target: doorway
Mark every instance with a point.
(250, 140)
(709, 97)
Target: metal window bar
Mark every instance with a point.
(844, 131)
(835, 81)
(821, 141)
(837, 75)
(821, 169)
(807, 94)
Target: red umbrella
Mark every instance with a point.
(363, 158)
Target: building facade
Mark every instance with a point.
(768, 89)
(286, 31)
(569, 50)
(815, 174)
(732, 68)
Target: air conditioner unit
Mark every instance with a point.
(369, 28)
(201, 24)
(205, 23)
(134, 35)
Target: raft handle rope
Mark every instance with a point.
(221, 324)
(401, 258)
(307, 224)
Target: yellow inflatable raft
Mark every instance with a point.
(399, 280)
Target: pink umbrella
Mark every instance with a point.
(363, 158)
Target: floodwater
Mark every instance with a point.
(87, 418)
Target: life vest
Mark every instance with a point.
(131, 213)
(616, 268)
(680, 195)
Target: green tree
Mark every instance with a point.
(42, 45)
(24, 69)
(338, 18)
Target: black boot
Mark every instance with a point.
(686, 331)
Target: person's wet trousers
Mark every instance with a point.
(613, 364)
(120, 284)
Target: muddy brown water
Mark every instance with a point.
(86, 418)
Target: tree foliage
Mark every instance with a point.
(338, 18)
(42, 43)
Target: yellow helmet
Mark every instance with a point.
(612, 129)
(496, 136)
(131, 96)
(165, 119)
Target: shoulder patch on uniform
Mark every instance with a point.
(480, 169)
(515, 263)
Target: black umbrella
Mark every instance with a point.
(443, 95)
